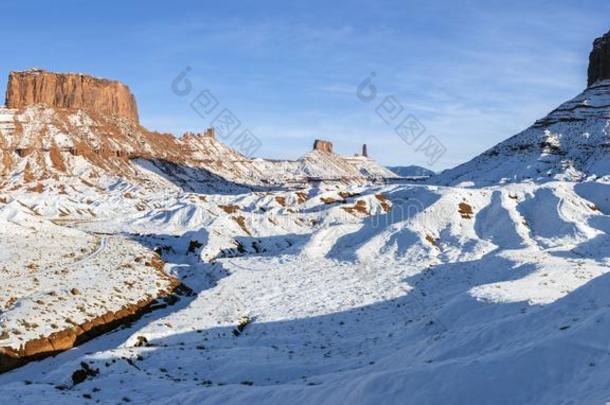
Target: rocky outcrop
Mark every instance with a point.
(208, 133)
(323, 146)
(66, 339)
(599, 60)
(70, 90)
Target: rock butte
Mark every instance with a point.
(72, 91)
(323, 146)
(599, 60)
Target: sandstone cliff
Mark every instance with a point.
(599, 60)
(70, 90)
(323, 146)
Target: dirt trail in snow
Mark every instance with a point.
(103, 243)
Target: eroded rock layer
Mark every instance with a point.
(323, 146)
(70, 90)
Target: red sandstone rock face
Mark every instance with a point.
(323, 146)
(70, 90)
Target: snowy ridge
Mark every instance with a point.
(41, 143)
(571, 143)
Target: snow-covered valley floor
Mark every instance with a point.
(395, 294)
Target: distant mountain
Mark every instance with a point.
(411, 171)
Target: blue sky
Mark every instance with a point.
(473, 72)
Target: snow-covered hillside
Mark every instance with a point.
(61, 285)
(411, 171)
(361, 294)
(38, 143)
(571, 143)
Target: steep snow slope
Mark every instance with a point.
(571, 143)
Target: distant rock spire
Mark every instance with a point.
(365, 151)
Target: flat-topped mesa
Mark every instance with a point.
(323, 146)
(599, 60)
(70, 90)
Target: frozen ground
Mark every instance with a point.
(399, 294)
(54, 278)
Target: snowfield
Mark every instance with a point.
(55, 277)
(334, 294)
